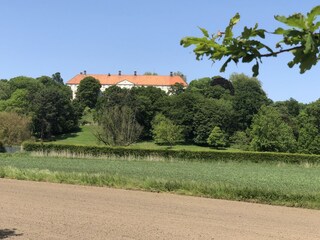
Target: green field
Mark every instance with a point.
(273, 183)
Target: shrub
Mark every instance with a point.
(172, 154)
(217, 138)
(165, 131)
(14, 128)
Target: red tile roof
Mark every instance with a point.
(138, 80)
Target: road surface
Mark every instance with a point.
(34, 210)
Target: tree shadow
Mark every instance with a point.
(6, 233)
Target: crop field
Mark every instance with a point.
(273, 183)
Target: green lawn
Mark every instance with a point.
(275, 183)
(85, 137)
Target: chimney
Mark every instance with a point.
(119, 73)
(85, 72)
(171, 74)
(135, 73)
(80, 73)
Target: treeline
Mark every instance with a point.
(43, 105)
(209, 112)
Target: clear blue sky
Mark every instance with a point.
(41, 37)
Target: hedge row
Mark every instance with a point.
(172, 154)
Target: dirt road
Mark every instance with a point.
(32, 210)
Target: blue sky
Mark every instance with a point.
(41, 37)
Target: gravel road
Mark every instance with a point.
(33, 210)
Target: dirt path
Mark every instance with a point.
(32, 210)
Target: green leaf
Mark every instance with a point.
(248, 58)
(279, 31)
(228, 32)
(296, 20)
(204, 31)
(312, 15)
(224, 66)
(309, 47)
(255, 69)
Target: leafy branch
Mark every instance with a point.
(302, 39)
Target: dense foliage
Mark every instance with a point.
(88, 92)
(46, 101)
(14, 128)
(210, 112)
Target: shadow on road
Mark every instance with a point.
(6, 233)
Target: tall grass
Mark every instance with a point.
(273, 183)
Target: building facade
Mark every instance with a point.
(128, 81)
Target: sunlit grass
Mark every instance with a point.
(86, 137)
(275, 183)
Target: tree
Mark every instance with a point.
(180, 109)
(178, 73)
(270, 133)
(88, 92)
(247, 100)
(5, 90)
(209, 113)
(176, 89)
(241, 140)
(14, 128)
(145, 103)
(57, 77)
(165, 131)
(150, 73)
(114, 96)
(309, 128)
(117, 126)
(302, 39)
(217, 138)
(212, 87)
(53, 112)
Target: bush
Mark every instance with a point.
(165, 131)
(217, 138)
(207, 156)
(14, 128)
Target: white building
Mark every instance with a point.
(128, 81)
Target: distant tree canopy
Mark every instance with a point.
(213, 112)
(57, 77)
(301, 39)
(51, 111)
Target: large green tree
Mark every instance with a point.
(145, 103)
(53, 112)
(181, 109)
(301, 38)
(209, 113)
(88, 92)
(270, 133)
(248, 98)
